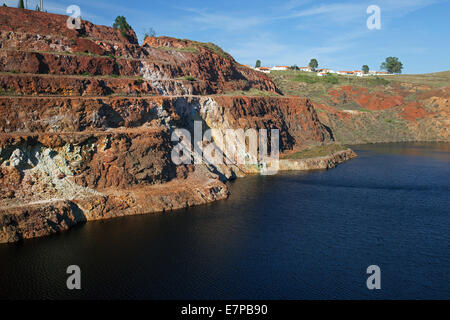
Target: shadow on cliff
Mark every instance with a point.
(70, 217)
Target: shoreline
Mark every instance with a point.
(46, 217)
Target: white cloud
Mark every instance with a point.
(221, 21)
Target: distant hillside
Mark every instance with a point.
(376, 109)
(436, 79)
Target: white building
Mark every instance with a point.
(325, 71)
(264, 69)
(280, 68)
(306, 69)
(345, 73)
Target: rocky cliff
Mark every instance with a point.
(86, 118)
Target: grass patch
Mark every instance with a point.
(111, 56)
(253, 92)
(392, 121)
(214, 48)
(306, 78)
(189, 78)
(190, 49)
(196, 44)
(316, 151)
(311, 78)
(377, 81)
(330, 79)
(9, 92)
(434, 80)
(364, 110)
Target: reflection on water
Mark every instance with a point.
(438, 151)
(293, 236)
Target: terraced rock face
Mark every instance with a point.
(86, 119)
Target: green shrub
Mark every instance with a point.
(379, 81)
(189, 78)
(306, 78)
(8, 92)
(330, 79)
(252, 92)
(122, 24)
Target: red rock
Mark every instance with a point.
(103, 107)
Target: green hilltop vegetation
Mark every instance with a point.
(308, 84)
(194, 48)
(434, 80)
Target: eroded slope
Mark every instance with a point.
(86, 119)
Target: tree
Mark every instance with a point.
(313, 64)
(392, 65)
(150, 33)
(294, 67)
(21, 5)
(122, 24)
(258, 64)
(365, 69)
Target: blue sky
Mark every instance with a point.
(292, 31)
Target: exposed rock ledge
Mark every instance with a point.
(46, 217)
(326, 162)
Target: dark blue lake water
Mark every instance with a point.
(300, 235)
